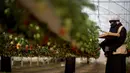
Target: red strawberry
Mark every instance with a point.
(26, 47)
(62, 31)
(10, 31)
(31, 47)
(74, 48)
(45, 40)
(26, 22)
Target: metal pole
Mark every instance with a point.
(21, 61)
(30, 61)
(38, 61)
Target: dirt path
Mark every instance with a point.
(57, 68)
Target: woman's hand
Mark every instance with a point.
(109, 34)
(104, 34)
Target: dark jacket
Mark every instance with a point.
(114, 42)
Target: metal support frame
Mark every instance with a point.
(125, 10)
(113, 13)
(112, 1)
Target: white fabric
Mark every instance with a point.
(119, 30)
(122, 49)
(114, 18)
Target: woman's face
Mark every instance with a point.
(113, 23)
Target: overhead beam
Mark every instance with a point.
(115, 14)
(112, 1)
(106, 14)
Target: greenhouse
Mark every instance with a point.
(64, 36)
